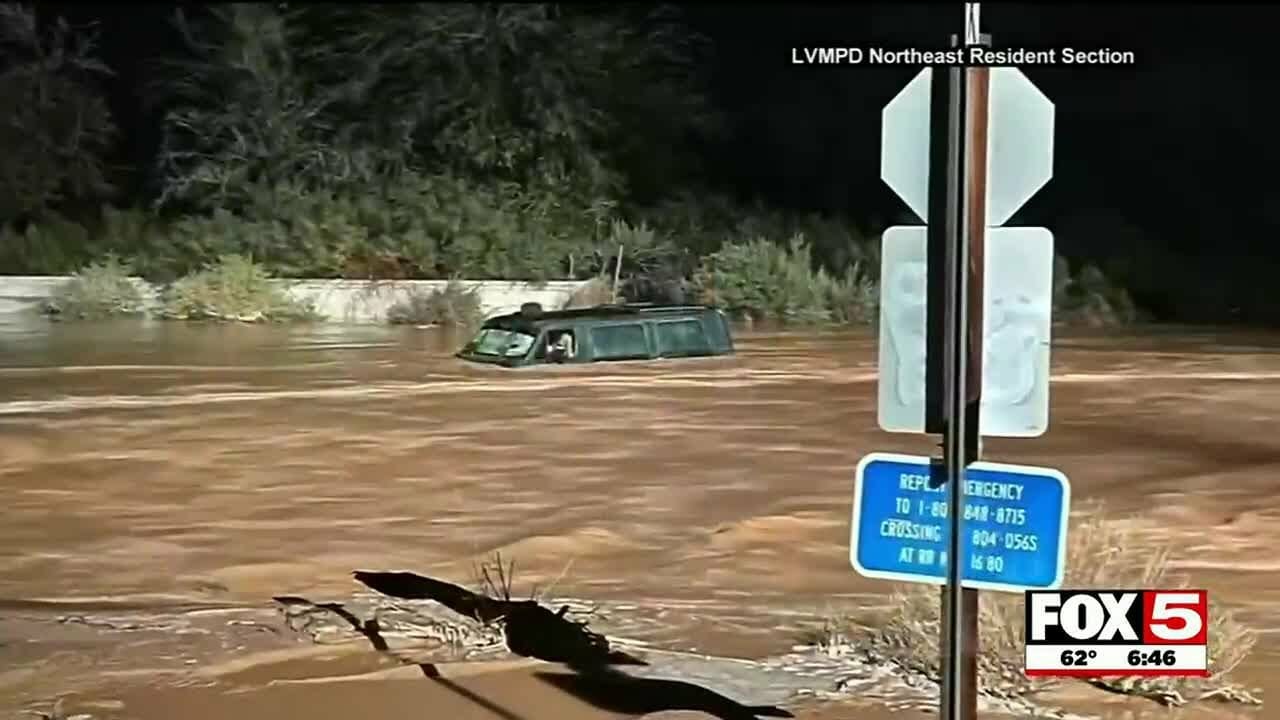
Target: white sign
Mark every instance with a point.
(1017, 320)
(904, 144)
(1019, 145)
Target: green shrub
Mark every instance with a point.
(139, 235)
(454, 305)
(54, 246)
(653, 267)
(439, 226)
(423, 227)
(747, 279)
(699, 223)
(761, 280)
(855, 298)
(233, 288)
(57, 245)
(704, 222)
(1089, 298)
(642, 248)
(101, 290)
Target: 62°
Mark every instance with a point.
(1078, 657)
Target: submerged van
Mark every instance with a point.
(599, 334)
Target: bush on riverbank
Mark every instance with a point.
(233, 288)
(454, 305)
(424, 228)
(1088, 297)
(98, 291)
(437, 227)
(760, 279)
(1102, 553)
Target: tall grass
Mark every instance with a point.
(1103, 553)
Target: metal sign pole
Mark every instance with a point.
(964, 188)
(963, 364)
(944, 238)
(955, 376)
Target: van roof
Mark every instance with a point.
(599, 312)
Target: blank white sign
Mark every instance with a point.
(1017, 320)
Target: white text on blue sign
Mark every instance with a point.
(1014, 524)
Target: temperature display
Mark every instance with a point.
(1078, 658)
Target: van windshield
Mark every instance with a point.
(497, 342)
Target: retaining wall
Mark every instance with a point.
(350, 301)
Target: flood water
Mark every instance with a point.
(155, 466)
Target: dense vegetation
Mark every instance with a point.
(417, 141)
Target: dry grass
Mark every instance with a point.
(1102, 553)
(495, 578)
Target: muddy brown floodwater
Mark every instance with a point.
(149, 468)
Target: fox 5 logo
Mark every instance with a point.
(1118, 617)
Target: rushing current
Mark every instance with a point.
(157, 465)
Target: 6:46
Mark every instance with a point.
(1168, 657)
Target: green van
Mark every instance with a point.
(599, 334)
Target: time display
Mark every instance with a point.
(1158, 658)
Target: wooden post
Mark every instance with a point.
(617, 273)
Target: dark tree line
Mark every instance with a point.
(432, 140)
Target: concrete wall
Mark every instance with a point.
(368, 300)
(352, 301)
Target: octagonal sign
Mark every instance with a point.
(1019, 143)
(904, 144)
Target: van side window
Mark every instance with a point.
(718, 332)
(561, 346)
(681, 338)
(619, 342)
